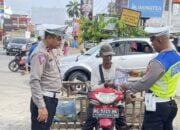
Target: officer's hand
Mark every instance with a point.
(129, 98)
(123, 87)
(42, 115)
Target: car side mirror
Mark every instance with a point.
(98, 55)
(82, 52)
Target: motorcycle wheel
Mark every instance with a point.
(13, 66)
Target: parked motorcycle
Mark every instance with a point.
(105, 101)
(18, 63)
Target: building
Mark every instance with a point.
(40, 15)
(168, 18)
(120, 4)
(20, 22)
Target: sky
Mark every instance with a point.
(24, 6)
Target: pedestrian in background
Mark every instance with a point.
(66, 48)
(33, 46)
(74, 43)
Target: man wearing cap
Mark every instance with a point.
(45, 81)
(160, 82)
(99, 75)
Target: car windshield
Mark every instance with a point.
(19, 41)
(92, 50)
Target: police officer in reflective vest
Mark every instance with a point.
(160, 82)
(45, 80)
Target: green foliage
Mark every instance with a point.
(93, 30)
(123, 30)
(73, 9)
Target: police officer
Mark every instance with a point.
(45, 81)
(160, 82)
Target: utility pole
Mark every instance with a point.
(170, 13)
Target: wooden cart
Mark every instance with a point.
(134, 111)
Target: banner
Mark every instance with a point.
(130, 17)
(148, 8)
(1, 6)
(176, 1)
(87, 7)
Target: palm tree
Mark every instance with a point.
(73, 9)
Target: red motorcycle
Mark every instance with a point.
(18, 63)
(106, 102)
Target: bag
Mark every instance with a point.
(101, 73)
(65, 111)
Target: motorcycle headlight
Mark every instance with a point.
(23, 48)
(106, 98)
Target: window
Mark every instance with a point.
(118, 48)
(19, 41)
(138, 47)
(92, 50)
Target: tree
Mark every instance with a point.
(112, 8)
(123, 30)
(73, 9)
(92, 30)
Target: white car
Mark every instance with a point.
(131, 53)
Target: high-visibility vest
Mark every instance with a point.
(166, 86)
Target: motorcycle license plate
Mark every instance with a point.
(105, 113)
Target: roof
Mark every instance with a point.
(125, 39)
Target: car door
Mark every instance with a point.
(137, 54)
(119, 50)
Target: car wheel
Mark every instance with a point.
(78, 76)
(7, 53)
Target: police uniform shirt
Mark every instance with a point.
(45, 75)
(154, 72)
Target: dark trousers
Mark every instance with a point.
(51, 104)
(92, 122)
(162, 118)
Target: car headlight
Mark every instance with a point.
(8, 46)
(106, 98)
(64, 63)
(23, 48)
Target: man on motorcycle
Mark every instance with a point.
(107, 73)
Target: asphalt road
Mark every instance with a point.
(14, 97)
